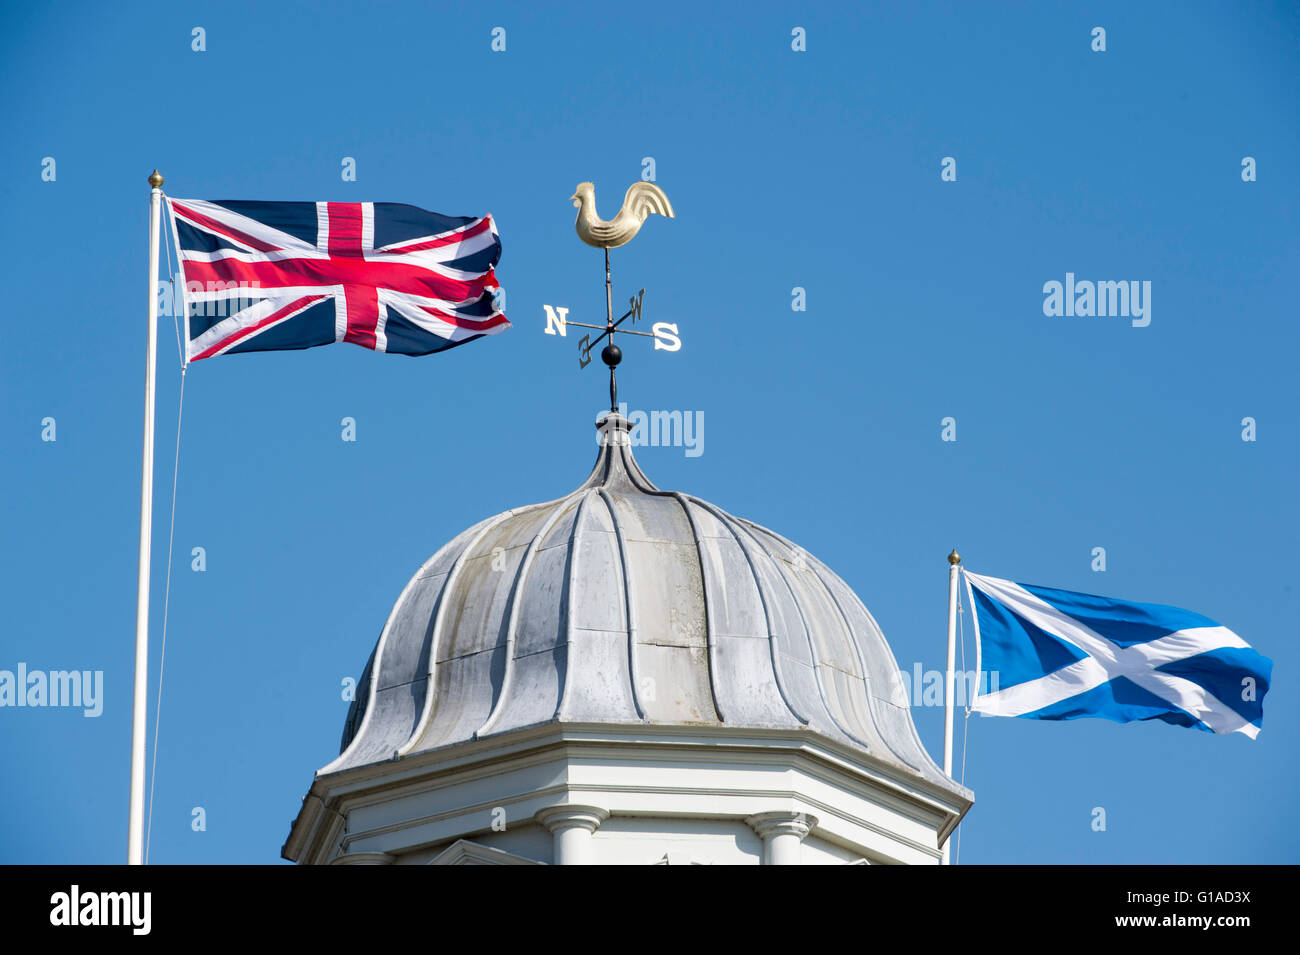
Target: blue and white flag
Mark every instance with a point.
(1060, 655)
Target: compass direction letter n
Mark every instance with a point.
(557, 320)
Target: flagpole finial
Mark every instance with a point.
(954, 558)
(155, 179)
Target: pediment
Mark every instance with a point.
(465, 852)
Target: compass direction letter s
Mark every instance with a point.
(666, 336)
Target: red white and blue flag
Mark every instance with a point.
(265, 276)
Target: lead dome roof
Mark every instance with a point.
(621, 603)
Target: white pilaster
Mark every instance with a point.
(572, 826)
(782, 833)
(363, 858)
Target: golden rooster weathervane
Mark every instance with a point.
(643, 199)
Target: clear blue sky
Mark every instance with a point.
(818, 169)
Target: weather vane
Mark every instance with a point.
(642, 200)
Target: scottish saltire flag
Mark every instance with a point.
(1060, 655)
(263, 276)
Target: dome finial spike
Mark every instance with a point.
(954, 558)
(611, 354)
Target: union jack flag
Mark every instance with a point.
(264, 276)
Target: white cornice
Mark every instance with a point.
(710, 739)
(318, 827)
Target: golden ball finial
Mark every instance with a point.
(954, 558)
(155, 179)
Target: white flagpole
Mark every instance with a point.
(139, 712)
(949, 682)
